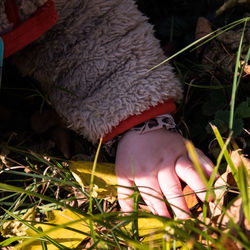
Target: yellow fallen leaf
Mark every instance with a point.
(105, 180)
(154, 230)
(150, 229)
(13, 228)
(66, 237)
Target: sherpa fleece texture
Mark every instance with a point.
(28, 7)
(5, 24)
(94, 64)
(23, 21)
(23, 8)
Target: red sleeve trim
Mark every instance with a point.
(162, 108)
(31, 29)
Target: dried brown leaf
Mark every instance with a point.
(203, 28)
(229, 244)
(246, 68)
(228, 207)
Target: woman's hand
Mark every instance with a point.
(154, 162)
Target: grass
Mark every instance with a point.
(113, 232)
(36, 181)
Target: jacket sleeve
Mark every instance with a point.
(95, 66)
(23, 21)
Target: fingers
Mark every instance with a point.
(125, 192)
(151, 193)
(171, 188)
(164, 181)
(206, 163)
(152, 196)
(185, 170)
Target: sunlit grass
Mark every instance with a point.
(114, 229)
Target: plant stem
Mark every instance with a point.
(234, 89)
(90, 209)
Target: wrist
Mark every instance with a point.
(164, 121)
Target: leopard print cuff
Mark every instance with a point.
(162, 121)
(165, 121)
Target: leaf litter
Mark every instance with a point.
(223, 48)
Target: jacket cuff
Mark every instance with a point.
(162, 108)
(30, 30)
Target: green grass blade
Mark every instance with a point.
(234, 89)
(43, 243)
(243, 66)
(194, 158)
(205, 86)
(219, 158)
(226, 153)
(116, 240)
(220, 31)
(15, 189)
(180, 51)
(18, 202)
(49, 178)
(244, 189)
(41, 234)
(205, 38)
(90, 209)
(11, 240)
(92, 178)
(52, 241)
(212, 177)
(7, 197)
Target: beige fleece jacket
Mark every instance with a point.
(94, 64)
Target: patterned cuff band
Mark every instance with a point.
(165, 121)
(162, 121)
